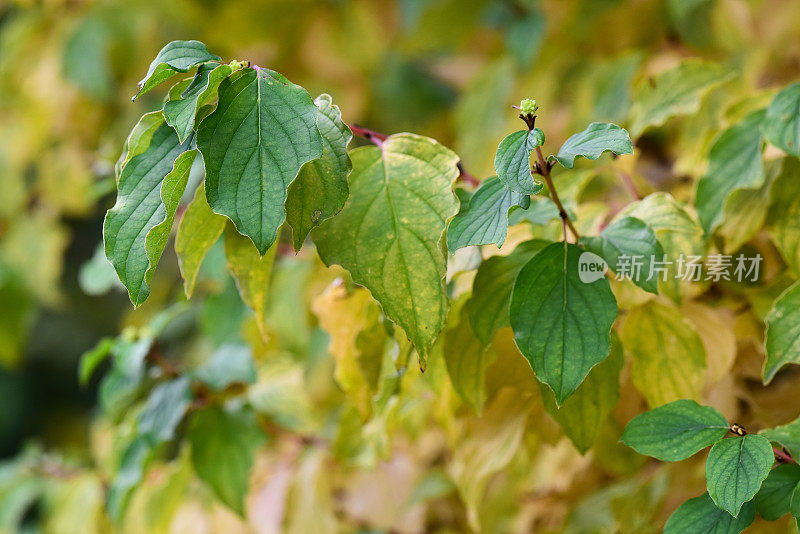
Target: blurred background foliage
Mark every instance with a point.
(408, 455)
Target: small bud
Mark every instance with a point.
(528, 107)
(236, 65)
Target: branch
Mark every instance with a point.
(378, 139)
(782, 456)
(544, 169)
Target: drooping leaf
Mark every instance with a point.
(94, 357)
(224, 445)
(254, 144)
(701, 516)
(784, 212)
(781, 124)
(136, 229)
(783, 333)
(624, 241)
(231, 363)
(773, 499)
(734, 163)
(251, 272)
(735, 469)
(483, 219)
(389, 234)
(675, 431)
(679, 235)
(165, 407)
(597, 138)
(668, 355)
(197, 232)
(787, 435)
(320, 190)
(491, 289)
(512, 161)
(676, 91)
(466, 359)
(561, 324)
(586, 411)
(181, 109)
(133, 463)
(177, 56)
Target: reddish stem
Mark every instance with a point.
(783, 456)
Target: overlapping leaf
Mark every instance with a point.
(783, 333)
(701, 516)
(773, 499)
(177, 56)
(180, 111)
(254, 144)
(597, 138)
(781, 124)
(197, 232)
(735, 469)
(512, 161)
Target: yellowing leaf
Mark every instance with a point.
(198, 230)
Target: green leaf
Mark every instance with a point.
(735, 469)
(165, 407)
(734, 163)
(773, 499)
(597, 138)
(676, 91)
(586, 411)
(675, 431)
(491, 289)
(787, 435)
(390, 233)
(781, 124)
(784, 212)
(561, 324)
(263, 130)
(177, 56)
(512, 161)
(483, 219)
(135, 459)
(136, 229)
(197, 232)
(466, 359)
(224, 446)
(181, 108)
(251, 272)
(678, 234)
(231, 363)
(94, 357)
(783, 333)
(622, 241)
(668, 354)
(701, 516)
(320, 190)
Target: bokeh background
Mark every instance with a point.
(448, 69)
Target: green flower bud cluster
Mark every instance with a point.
(236, 65)
(528, 107)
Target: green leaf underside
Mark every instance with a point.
(181, 108)
(735, 469)
(177, 56)
(561, 324)
(787, 435)
(585, 412)
(483, 219)
(491, 290)
(675, 431)
(773, 499)
(668, 354)
(783, 333)
(254, 144)
(320, 190)
(676, 91)
(628, 236)
(701, 516)
(389, 234)
(781, 124)
(231, 363)
(135, 458)
(164, 410)
(734, 163)
(223, 451)
(512, 161)
(597, 138)
(136, 228)
(197, 232)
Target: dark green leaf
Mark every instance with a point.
(512, 161)
(263, 130)
(177, 56)
(787, 435)
(675, 431)
(561, 324)
(320, 190)
(781, 124)
(181, 108)
(783, 333)
(229, 364)
(701, 516)
(773, 499)
(164, 410)
(735, 469)
(483, 219)
(597, 138)
(135, 459)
